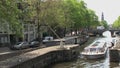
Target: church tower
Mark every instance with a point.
(102, 17)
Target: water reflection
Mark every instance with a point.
(85, 63)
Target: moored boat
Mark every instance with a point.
(97, 49)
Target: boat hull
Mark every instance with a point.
(96, 50)
(94, 56)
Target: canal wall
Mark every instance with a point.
(115, 50)
(68, 40)
(42, 57)
(115, 55)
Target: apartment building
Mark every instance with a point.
(4, 34)
(7, 37)
(29, 32)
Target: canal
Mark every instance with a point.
(85, 63)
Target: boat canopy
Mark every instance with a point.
(97, 44)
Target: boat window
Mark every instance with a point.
(92, 49)
(101, 49)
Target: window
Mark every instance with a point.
(92, 49)
(5, 39)
(2, 39)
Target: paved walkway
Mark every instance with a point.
(5, 50)
(29, 55)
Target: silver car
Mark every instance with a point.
(20, 45)
(34, 44)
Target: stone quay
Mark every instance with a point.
(41, 58)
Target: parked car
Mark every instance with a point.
(47, 38)
(20, 45)
(34, 44)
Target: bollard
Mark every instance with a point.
(75, 40)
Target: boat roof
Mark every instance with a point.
(96, 44)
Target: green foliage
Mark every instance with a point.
(104, 23)
(79, 15)
(92, 19)
(116, 23)
(58, 14)
(9, 14)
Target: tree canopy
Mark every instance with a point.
(9, 14)
(116, 23)
(58, 14)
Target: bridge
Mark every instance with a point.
(99, 32)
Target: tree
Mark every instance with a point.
(79, 15)
(116, 23)
(9, 14)
(104, 23)
(92, 19)
(59, 15)
(49, 14)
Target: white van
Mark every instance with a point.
(48, 38)
(100, 27)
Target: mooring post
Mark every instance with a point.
(61, 43)
(75, 40)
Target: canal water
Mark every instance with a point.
(85, 63)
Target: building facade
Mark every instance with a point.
(4, 34)
(29, 32)
(7, 37)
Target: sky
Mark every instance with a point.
(110, 8)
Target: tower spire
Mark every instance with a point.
(102, 17)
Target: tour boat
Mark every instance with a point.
(97, 49)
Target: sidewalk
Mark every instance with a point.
(13, 61)
(5, 50)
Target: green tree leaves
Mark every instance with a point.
(79, 15)
(58, 14)
(116, 24)
(9, 14)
